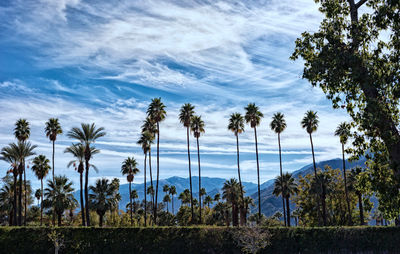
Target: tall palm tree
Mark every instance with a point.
(231, 193)
(172, 192)
(166, 191)
(185, 117)
(87, 135)
(236, 125)
(41, 168)
(253, 116)
(150, 128)
(310, 123)
(59, 196)
(156, 112)
(10, 155)
(22, 131)
(343, 131)
(102, 197)
(285, 186)
(129, 168)
(197, 127)
(278, 125)
(145, 141)
(53, 128)
(78, 151)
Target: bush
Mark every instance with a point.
(198, 240)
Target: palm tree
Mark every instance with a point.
(6, 198)
(208, 200)
(149, 130)
(172, 192)
(53, 128)
(231, 190)
(87, 134)
(78, 151)
(343, 131)
(22, 131)
(310, 123)
(38, 195)
(145, 141)
(59, 196)
(185, 197)
(41, 168)
(217, 197)
(320, 187)
(236, 125)
(156, 112)
(166, 200)
(150, 191)
(253, 116)
(197, 127)
(185, 117)
(356, 185)
(134, 196)
(285, 186)
(278, 125)
(10, 155)
(129, 168)
(102, 197)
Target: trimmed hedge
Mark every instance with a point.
(199, 240)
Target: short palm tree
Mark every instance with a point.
(172, 192)
(134, 196)
(156, 112)
(38, 195)
(185, 197)
(278, 125)
(53, 128)
(208, 200)
(41, 168)
(231, 193)
(197, 128)
(166, 200)
(253, 116)
(236, 125)
(129, 168)
(59, 196)
(102, 197)
(185, 117)
(6, 199)
(87, 135)
(285, 186)
(343, 131)
(320, 188)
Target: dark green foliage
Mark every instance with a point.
(199, 240)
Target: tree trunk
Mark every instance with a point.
(87, 193)
(190, 175)
(345, 188)
(158, 171)
(315, 174)
(59, 219)
(324, 205)
(172, 200)
(15, 197)
(130, 201)
(101, 220)
(41, 203)
(151, 181)
(145, 193)
(360, 206)
(81, 197)
(238, 165)
(20, 200)
(235, 219)
(198, 162)
(281, 173)
(258, 175)
(288, 211)
(53, 158)
(25, 198)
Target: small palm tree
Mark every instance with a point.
(343, 131)
(197, 128)
(38, 195)
(172, 192)
(59, 196)
(53, 128)
(102, 197)
(285, 186)
(208, 200)
(217, 197)
(236, 125)
(185, 117)
(156, 112)
(278, 125)
(129, 168)
(166, 200)
(185, 197)
(41, 168)
(6, 198)
(355, 184)
(253, 116)
(320, 188)
(231, 193)
(134, 196)
(87, 135)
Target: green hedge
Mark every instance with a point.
(199, 240)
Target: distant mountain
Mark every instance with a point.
(270, 204)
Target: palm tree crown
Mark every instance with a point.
(310, 121)
(278, 123)
(22, 131)
(253, 115)
(343, 131)
(285, 185)
(236, 123)
(186, 114)
(129, 168)
(156, 110)
(146, 140)
(87, 134)
(53, 128)
(197, 126)
(41, 166)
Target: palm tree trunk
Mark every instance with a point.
(172, 200)
(53, 158)
(360, 206)
(258, 174)
(130, 201)
(238, 164)
(288, 211)
(145, 194)
(151, 180)
(198, 162)
(87, 193)
(158, 171)
(20, 200)
(25, 198)
(345, 187)
(315, 174)
(81, 196)
(190, 174)
(15, 197)
(41, 203)
(167, 207)
(59, 219)
(280, 165)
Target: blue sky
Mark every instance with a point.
(102, 61)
